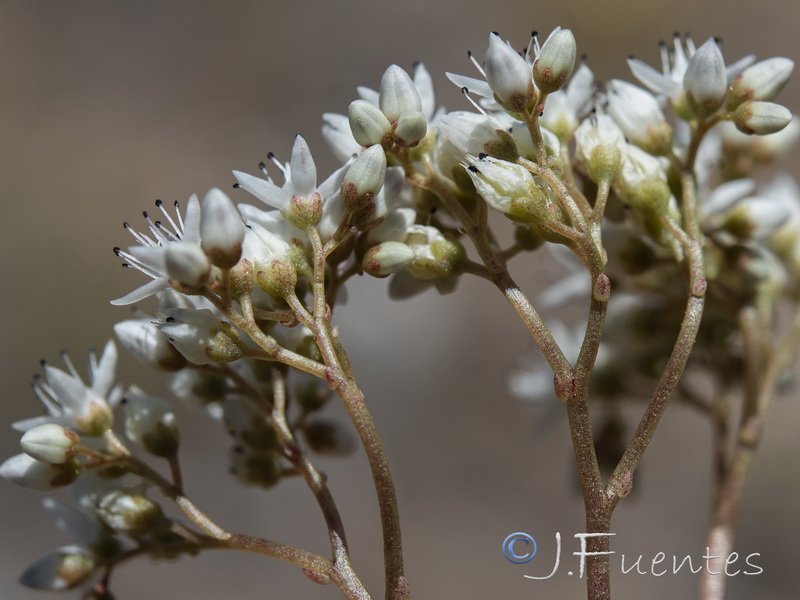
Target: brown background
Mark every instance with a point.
(107, 106)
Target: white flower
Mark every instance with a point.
(565, 108)
(149, 256)
(150, 422)
(298, 198)
(638, 114)
(73, 404)
(63, 569)
(675, 62)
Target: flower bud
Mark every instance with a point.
(761, 81)
(256, 467)
(364, 178)
(221, 229)
(508, 74)
(434, 255)
(328, 437)
(60, 570)
(388, 258)
(186, 264)
(411, 128)
(143, 339)
(127, 511)
(51, 443)
(509, 188)
(33, 474)
(639, 116)
(249, 425)
(201, 337)
(150, 423)
(555, 61)
(600, 146)
(368, 124)
(761, 118)
(398, 94)
(706, 80)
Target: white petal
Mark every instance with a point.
(474, 86)
(140, 293)
(302, 169)
(264, 190)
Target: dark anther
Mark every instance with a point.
(159, 203)
(236, 186)
(169, 319)
(270, 155)
(483, 155)
(473, 169)
(262, 165)
(144, 212)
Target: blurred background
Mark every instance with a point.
(106, 106)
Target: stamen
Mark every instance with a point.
(175, 227)
(70, 366)
(476, 63)
(465, 91)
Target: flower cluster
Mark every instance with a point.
(648, 191)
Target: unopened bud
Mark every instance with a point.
(367, 123)
(761, 81)
(221, 229)
(706, 80)
(150, 422)
(398, 94)
(201, 337)
(555, 62)
(364, 179)
(33, 474)
(387, 258)
(60, 570)
(256, 467)
(508, 74)
(186, 264)
(143, 339)
(761, 118)
(51, 443)
(411, 128)
(127, 511)
(328, 437)
(600, 147)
